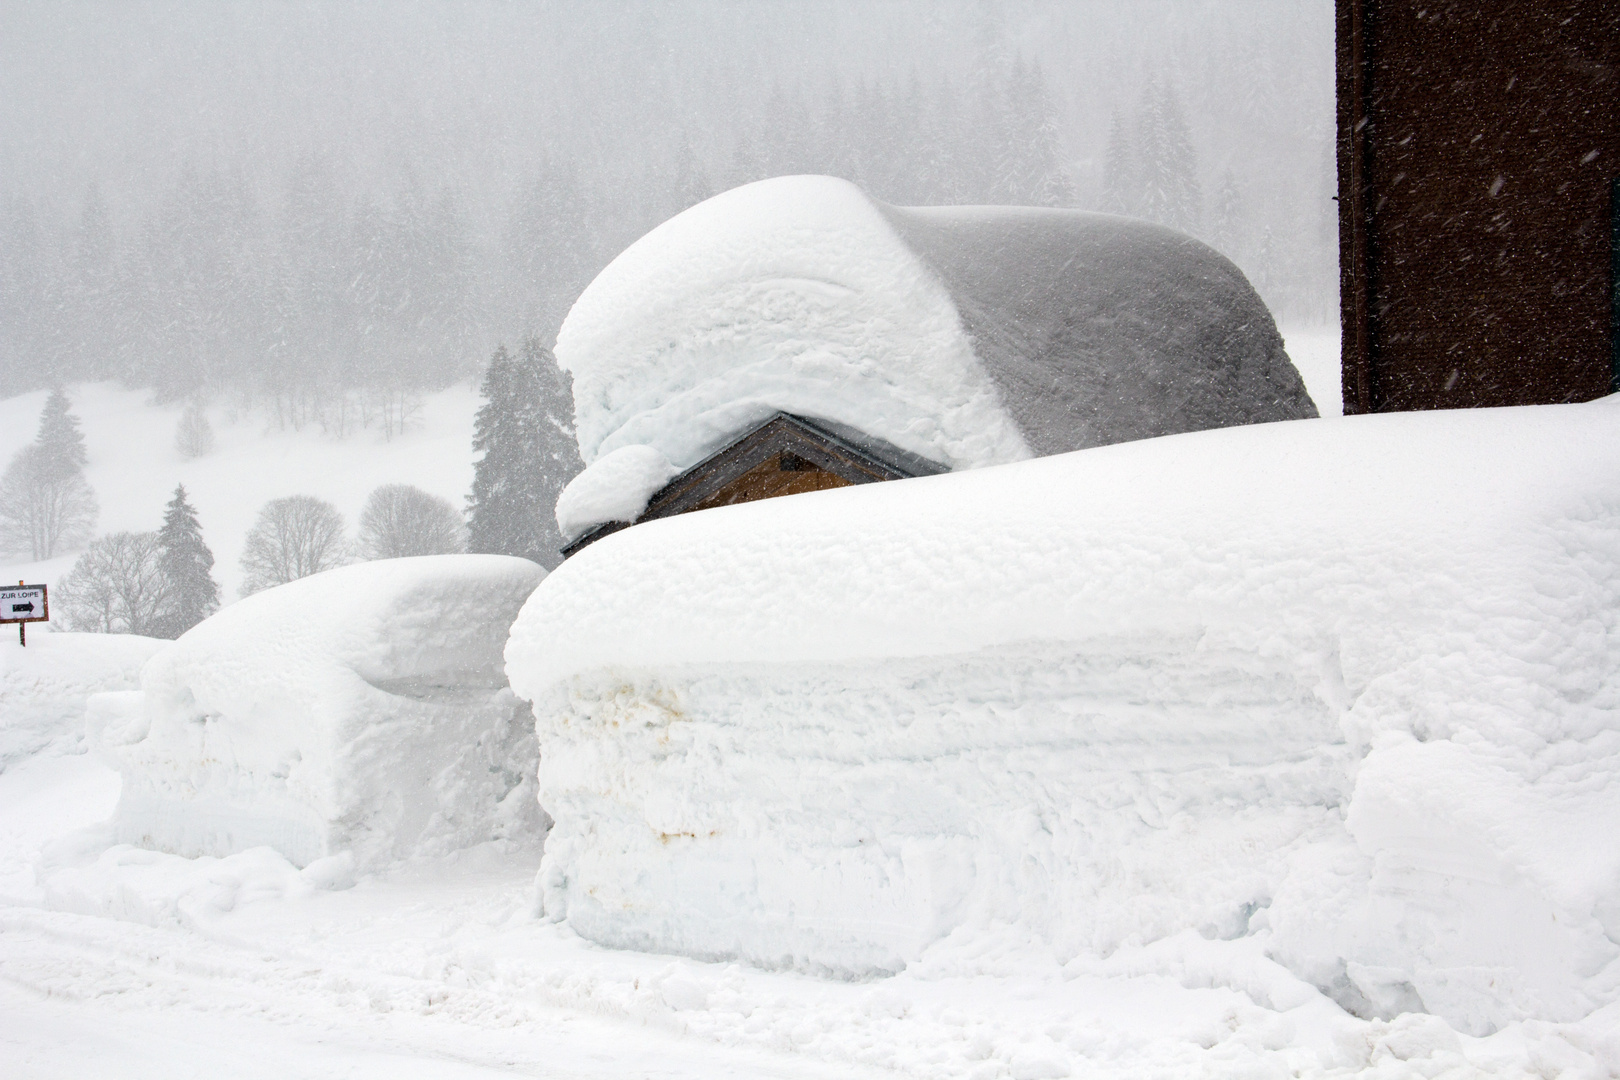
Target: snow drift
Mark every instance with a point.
(1348, 687)
(362, 710)
(970, 336)
(44, 686)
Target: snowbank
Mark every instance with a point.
(362, 710)
(1346, 687)
(44, 687)
(969, 336)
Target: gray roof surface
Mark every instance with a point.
(1099, 329)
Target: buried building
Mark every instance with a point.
(795, 335)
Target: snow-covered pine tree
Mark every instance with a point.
(60, 442)
(1225, 231)
(691, 184)
(1043, 182)
(186, 565)
(49, 507)
(525, 431)
(1119, 170)
(1169, 189)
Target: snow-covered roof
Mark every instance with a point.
(968, 336)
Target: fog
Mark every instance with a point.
(279, 202)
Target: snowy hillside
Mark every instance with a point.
(134, 465)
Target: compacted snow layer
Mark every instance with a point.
(1345, 690)
(968, 335)
(359, 713)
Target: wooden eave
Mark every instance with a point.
(785, 455)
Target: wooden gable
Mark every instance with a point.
(786, 455)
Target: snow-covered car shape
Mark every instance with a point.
(1343, 691)
(361, 710)
(953, 337)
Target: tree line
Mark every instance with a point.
(324, 303)
(161, 583)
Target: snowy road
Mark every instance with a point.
(88, 997)
(119, 962)
(232, 983)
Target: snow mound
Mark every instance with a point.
(969, 336)
(616, 488)
(360, 710)
(44, 686)
(1349, 688)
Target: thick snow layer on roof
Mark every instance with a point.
(969, 335)
(363, 709)
(44, 686)
(791, 294)
(1349, 688)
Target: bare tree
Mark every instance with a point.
(401, 520)
(293, 538)
(47, 509)
(116, 587)
(194, 436)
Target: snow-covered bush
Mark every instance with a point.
(1350, 688)
(293, 537)
(363, 709)
(400, 520)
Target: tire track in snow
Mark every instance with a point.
(125, 968)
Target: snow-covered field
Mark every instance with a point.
(134, 465)
(1451, 760)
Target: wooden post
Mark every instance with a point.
(22, 627)
(1614, 285)
(1352, 61)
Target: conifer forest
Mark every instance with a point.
(320, 212)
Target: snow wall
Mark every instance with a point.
(1351, 686)
(970, 335)
(363, 709)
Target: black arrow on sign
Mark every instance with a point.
(22, 607)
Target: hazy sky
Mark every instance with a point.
(125, 93)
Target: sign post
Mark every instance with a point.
(23, 605)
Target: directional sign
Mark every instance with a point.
(23, 603)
